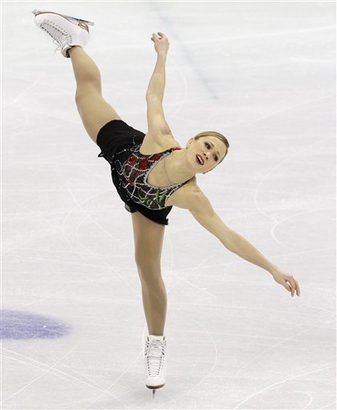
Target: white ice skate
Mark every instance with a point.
(155, 364)
(66, 31)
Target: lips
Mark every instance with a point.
(200, 160)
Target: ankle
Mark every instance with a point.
(72, 50)
(156, 337)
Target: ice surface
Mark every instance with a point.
(263, 73)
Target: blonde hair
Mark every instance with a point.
(216, 135)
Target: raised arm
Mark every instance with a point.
(200, 207)
(157, 125)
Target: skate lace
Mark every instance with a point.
(59, 35)
(155, 357)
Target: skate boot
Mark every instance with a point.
(66, 31)
(155, 365)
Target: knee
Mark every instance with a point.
(79, 98)
(82, 96)
(88, 91)
(87, 103)
(149, 272)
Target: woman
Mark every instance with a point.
(151, 173)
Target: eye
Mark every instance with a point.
(207, 145)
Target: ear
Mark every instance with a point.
(189, 142)
(206, 172)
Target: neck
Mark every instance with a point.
(176, 167)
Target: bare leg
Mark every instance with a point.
(93, 109)
(149, 238)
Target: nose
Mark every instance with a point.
(206, 155)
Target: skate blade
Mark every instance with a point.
(154, 389)
(90, 23)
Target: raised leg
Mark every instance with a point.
(149, 238)
(95, 112)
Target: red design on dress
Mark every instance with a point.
(143, 164)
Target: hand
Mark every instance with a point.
(161, 43)
(288, 282)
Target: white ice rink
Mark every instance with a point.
(263, 73)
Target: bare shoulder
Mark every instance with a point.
(189, 196)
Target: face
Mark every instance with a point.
(206, 153)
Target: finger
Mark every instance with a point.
(293, 287)
(291, 281)
(289, 287)
(298, 289)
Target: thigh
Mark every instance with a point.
(95, 112)
(149, 238)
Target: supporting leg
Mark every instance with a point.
(149, 238)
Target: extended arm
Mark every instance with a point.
(155, 91)
(203, 212)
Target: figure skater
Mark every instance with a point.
(151, 173)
